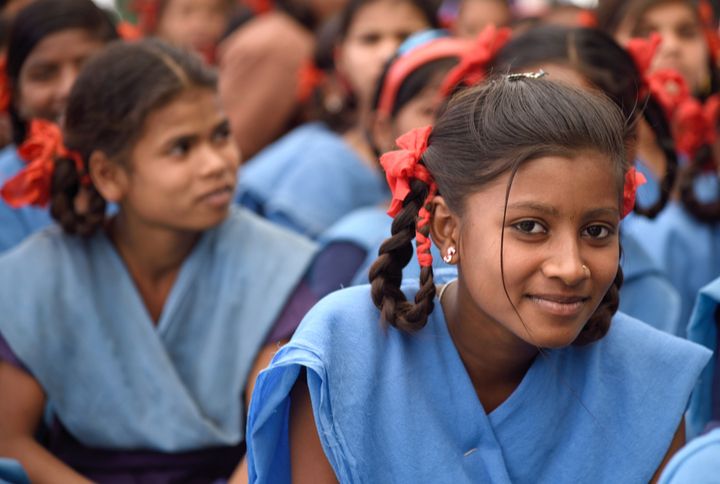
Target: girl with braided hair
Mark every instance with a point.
(141, 332)
(519, 370)
(48, 43)
(684, 238)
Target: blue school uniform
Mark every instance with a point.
(308, 179)
(687, 250)
(703, 329)
(646, 293)
(73, 316)
(696, 463)
(394, 407)
(17, 223)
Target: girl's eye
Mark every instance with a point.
(180, 148)
(369, 38)
(222, 133)
(687, 32)
(598, 232)
(529, 227)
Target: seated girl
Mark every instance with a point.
(516, 371)
(153, 323)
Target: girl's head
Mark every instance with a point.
(428, 67)
(475, 15)
(530, 177)
(684, 47)
(589, 58)
(49, 42)
(370, 32)
(193, 24)
(408, 92)
(146, 121)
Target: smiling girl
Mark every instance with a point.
(517, 371)
(48, 43)
(153, 323)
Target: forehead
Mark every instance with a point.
(194, 110)
(387, 15)
(583, 181)
(668, 14)
(64, 45)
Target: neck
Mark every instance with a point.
(151, 252)
(496, 360)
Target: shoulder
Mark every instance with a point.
(243, 228)
(698, 462)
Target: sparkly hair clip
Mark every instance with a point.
(526, 75)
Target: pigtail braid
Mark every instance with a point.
(394, 254)
(599, 323)
(66, 186)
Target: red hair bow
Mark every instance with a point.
(310, 77)
(147, 14)
(31, 186)
(633, 180)
(128, 31)
(5, 93)
(404, 165)
(473, 64)
(694, 124)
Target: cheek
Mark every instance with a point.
(35, 100)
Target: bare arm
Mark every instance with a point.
(307, 459)
(21, 408)
(240, 476)
(677, 442)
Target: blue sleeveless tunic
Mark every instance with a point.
(308, 179)
(17, 223)
(74, 318)
(393, 407)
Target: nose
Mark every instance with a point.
(214, 162)
(670, 45)
(65, 82)
(565, 262)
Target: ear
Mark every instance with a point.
(445, 227)
(382, 133)
(109, 177)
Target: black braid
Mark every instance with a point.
(705, 212)
(394, 255)
(66, 186)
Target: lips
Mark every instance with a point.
(559, 305)
(219, 197)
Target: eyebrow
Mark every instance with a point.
(552, 211)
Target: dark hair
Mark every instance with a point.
(415, 82)
(38, 20)
(608, 67)
(108, 105)
(487, 131)
(347, 15)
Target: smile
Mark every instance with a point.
(559, 305)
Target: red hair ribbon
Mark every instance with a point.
(633, 180)
(309, 78)
(694, 124)
(474, 61)
(643, 50)
(404, 165)
(128, 31)
(31, 185)
(5, 92)
(587, 19)
(260, 6)
(407, 64)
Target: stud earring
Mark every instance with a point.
(449, 256)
